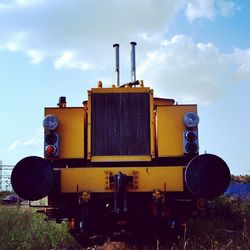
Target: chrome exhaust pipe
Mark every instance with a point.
(133, 68)
(117, 65)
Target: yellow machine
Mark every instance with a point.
(122, 164)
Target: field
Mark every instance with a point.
(225, 225)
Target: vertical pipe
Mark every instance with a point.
(133, 69)
(117, 66)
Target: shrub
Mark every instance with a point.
(226, 226)
(24, 229)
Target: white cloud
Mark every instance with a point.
(79, 35)
(68, 60)
(11, 46)
(88, 27)
(208, 8)
(200, 8)
(42, 28)
(14, 42)
(242, 60)
(35, 56)
(190, 71)
(14, 145)
(14, 4)
(24, 144)
(28, 2)
(226, 8)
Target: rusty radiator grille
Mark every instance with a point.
(120, 124)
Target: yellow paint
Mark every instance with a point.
(119, 158)
(163, 101)
(170, 129)
(70, 130)
(149, 179)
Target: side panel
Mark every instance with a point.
(148, 179)
(71, 130)
(170, 129)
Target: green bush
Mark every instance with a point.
(23, 229)
(226, 226)
(231, 209)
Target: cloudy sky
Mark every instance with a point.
(194, 51)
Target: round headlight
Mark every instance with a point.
(50, 122)
(191, 119)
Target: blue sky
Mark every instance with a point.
(194, 51)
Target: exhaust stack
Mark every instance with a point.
(117, 66)
(133, 68)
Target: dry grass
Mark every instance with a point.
(226, 226)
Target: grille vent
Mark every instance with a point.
(120, 124)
